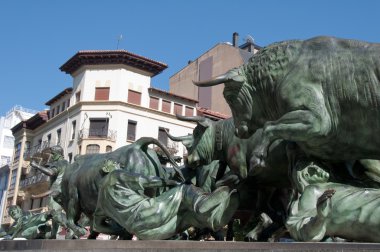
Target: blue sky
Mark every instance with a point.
(37, 37)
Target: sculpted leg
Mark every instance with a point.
(298, 125)
(73, 213)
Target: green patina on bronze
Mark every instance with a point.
(27, 225)
(123, 200)
(81, 180)
(323, 93)
(326, 208)
(215, 140)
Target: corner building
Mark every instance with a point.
(110, 104)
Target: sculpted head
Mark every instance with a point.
(308, 173)
(15, 212)
(199, 145)
(238, 94)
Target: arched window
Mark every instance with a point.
(108, 148)
(92, 148)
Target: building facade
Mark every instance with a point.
(11, 118)
(216, 61)
(110, 104)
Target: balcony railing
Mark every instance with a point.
(97, 134)
(37, 148)
(32, 180)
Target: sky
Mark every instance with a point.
(37, 37)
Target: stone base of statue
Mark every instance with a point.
(177, 246)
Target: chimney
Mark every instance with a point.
(235, 39)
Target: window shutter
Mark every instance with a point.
(153, 103)
(134, 97)
(102, 94)
(189, 111)
(178, 108)
(166, 106)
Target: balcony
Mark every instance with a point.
(33, 180)
(100, 134)
(36, 149)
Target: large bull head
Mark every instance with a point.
(238, 95)
(200, 145)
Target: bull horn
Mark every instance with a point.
(190, 118)
(177, 139)
(41, 195)
(213, 82)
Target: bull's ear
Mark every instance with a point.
(238, 79)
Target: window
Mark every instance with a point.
(39, 145)
(189, 111)
(63, 106)
(77, 97)
(177, 109)
(131, 130)
(57, 110)
(48, 139)
(73, 128)
(108, 148)
(153, 103)
(27, 149)
(92, 149)
(162, 136)
(8, 142)
(58, 136)
(134, 97)
(98, 128)
(68, 103)
(17, 151)
(70, 155)
(52, 113)
(102, 93)
(166, 106)
(36, 203)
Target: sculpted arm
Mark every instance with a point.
(47, 171)
(309, 223)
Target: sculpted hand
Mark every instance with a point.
(324, 203)
(228, 180)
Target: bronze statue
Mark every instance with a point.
(54, 168)
(322, 93)
(122, 200)
(81, 180)
(215, 140)
(332, 209)
(27, 225)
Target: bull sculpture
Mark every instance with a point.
(81, 180)
(322, 93)
(216, 141)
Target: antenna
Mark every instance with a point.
(249, 39)
(118, 40)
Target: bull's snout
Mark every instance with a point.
(242, 131)
(193, 160)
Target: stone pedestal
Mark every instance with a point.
(177, 246)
